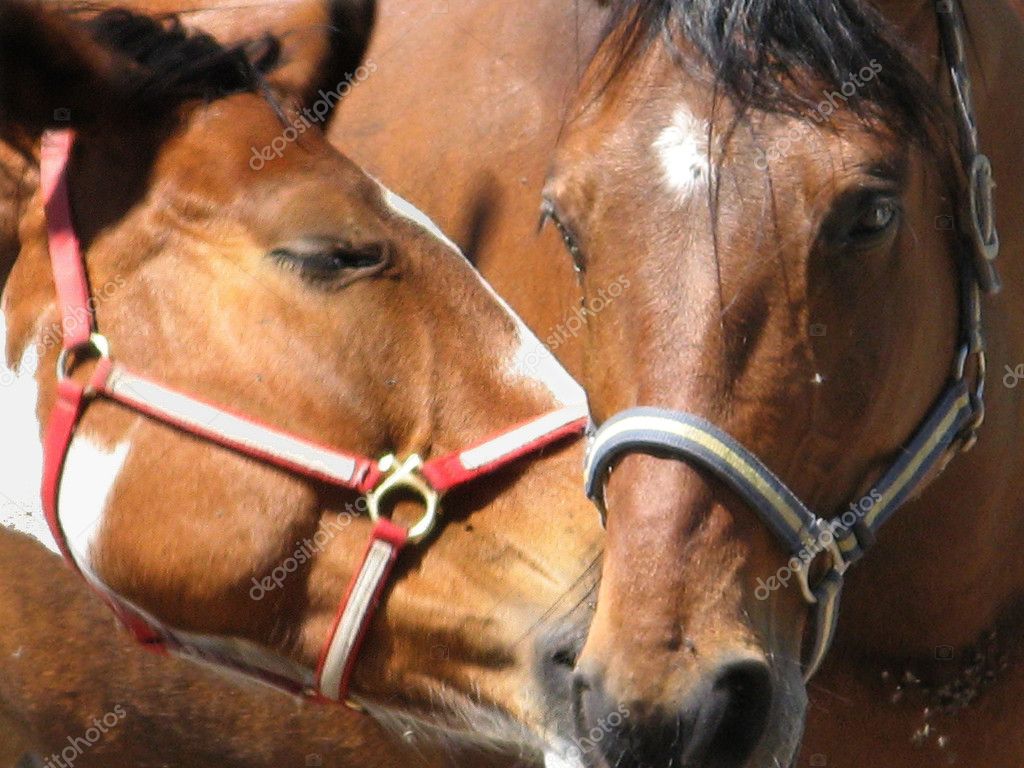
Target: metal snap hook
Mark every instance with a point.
(406, 476)
(839, 566)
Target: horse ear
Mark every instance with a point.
(323, 42)
(51, 73)
(323, 48)
(353, 22)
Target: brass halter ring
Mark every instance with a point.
(406, 476)
(95, 347)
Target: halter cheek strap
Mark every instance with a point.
(235, 431)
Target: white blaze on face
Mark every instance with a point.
(534, 361)
(530, 360)
(404, 208)
(682, 151)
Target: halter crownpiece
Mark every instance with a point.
(952, 422)
(376, 480)
(983, 235)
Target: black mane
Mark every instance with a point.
(168, 64)
(786, 55)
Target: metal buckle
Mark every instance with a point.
(839, 566)
(969, 436)
(406, 476)
(984, 234)
(96, 346)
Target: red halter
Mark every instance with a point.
(374, 479)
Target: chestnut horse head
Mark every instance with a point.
(782, 187)
(236, 259)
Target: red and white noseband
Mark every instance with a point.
(375, 479)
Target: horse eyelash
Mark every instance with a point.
(547, 214)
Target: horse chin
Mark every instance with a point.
(563, 756)
(778, 748)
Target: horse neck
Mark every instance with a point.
(946, 567)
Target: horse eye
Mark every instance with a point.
(876, 220)
(548, 213)
(323, 260)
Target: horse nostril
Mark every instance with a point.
(556, 654)
(564, 657)
(731, 719)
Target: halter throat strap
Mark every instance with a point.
(232, 430)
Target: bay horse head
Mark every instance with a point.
(269, 315)
(803, 238)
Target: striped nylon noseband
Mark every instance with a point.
(952, 422)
